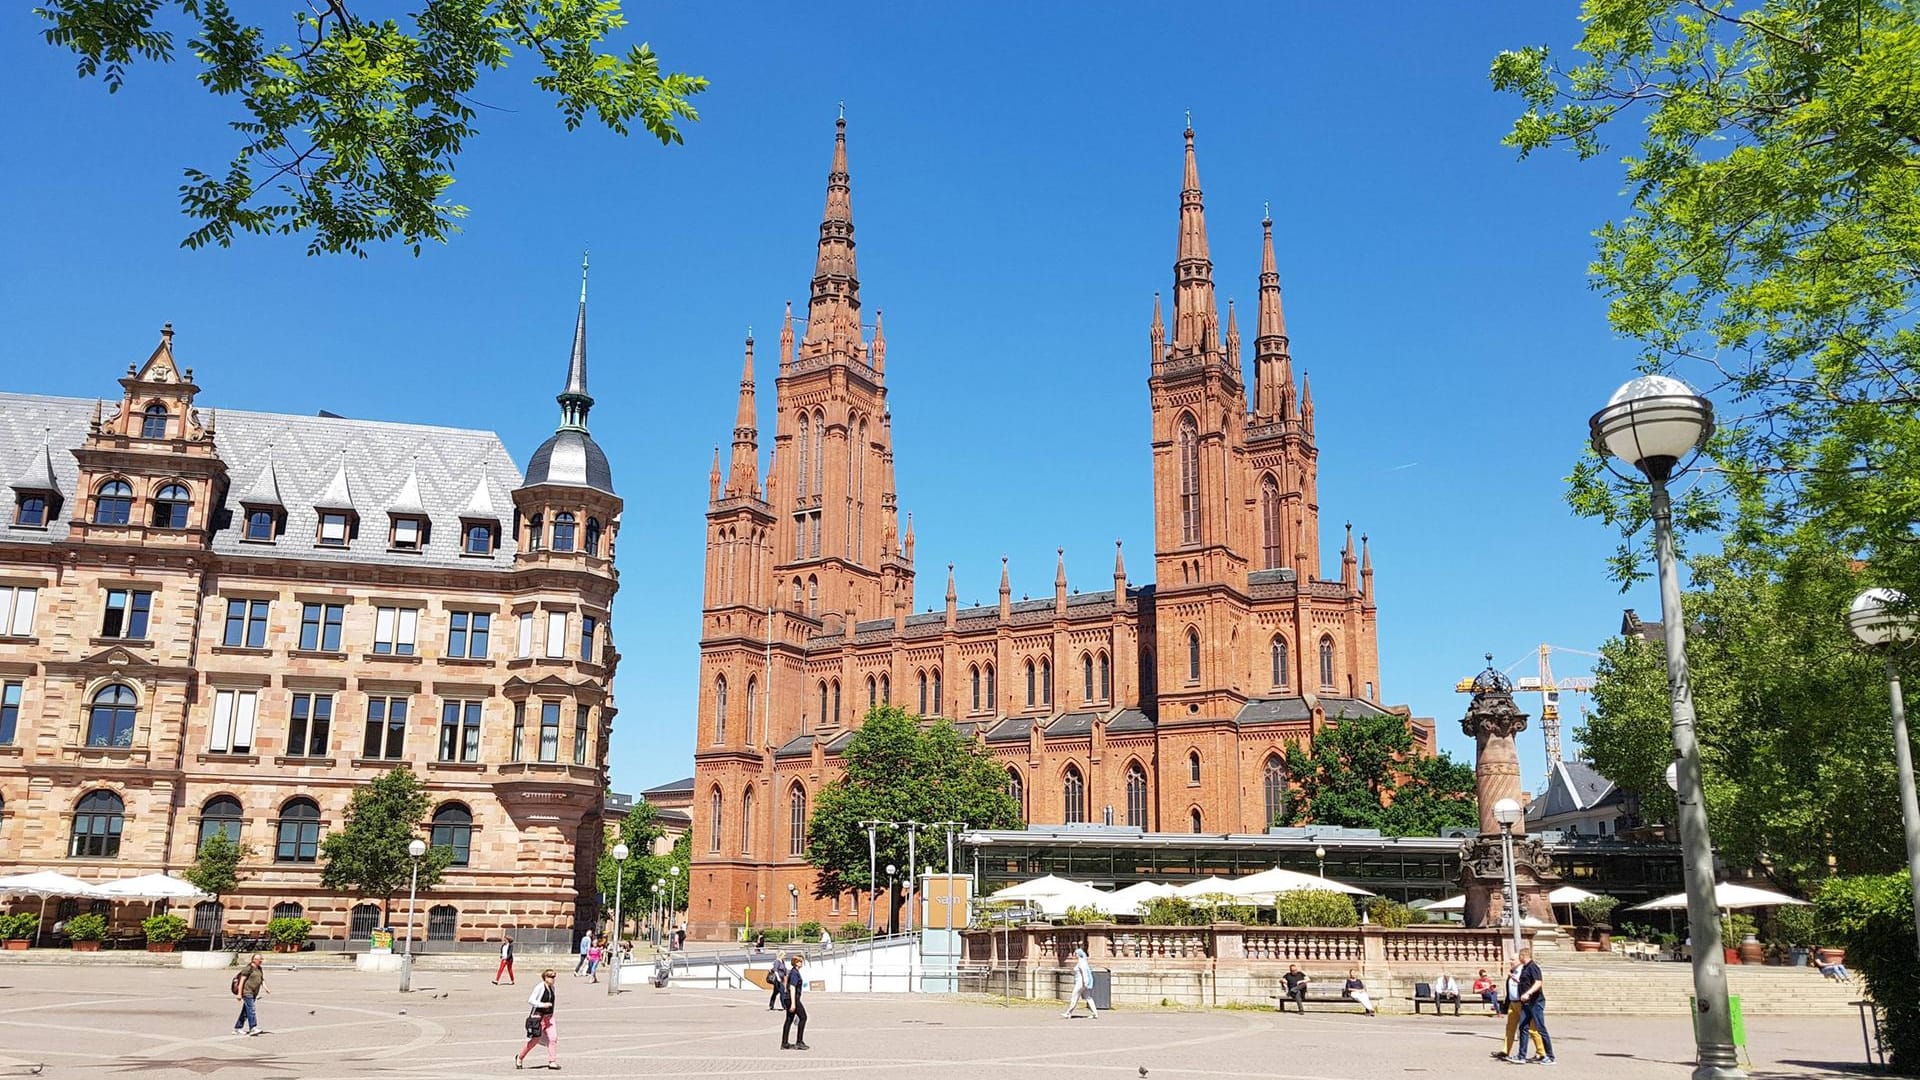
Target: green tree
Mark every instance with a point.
(640, 830)
(216, 869)
(1362, 772)
(1793, 717)
(367, 856)
(351, 130)
(900, 768)
(1770, 253)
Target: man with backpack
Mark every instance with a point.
(249, 984)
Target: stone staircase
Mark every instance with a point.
(1609, 984)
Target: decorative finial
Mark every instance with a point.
(583, 275)
(1189, 119)
(843, 108)
(1266, 212)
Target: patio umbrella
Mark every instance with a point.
(1569, 895)
(1204, 887)
(1725, 897)
(46, 884)
(1034, 889)
(1127, 901)
(152, 887)
(1451, 903)
(1266, 884)
(1074, 895)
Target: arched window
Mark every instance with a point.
(1278, 654)
(153, 422)
(720, 709)
(363, 919)
(1189, 450)
(1326, 662)
(836, 702)
(288, 909)
(207, 915)
(170, 505)
(939, 695)
(113, 503)
(1086, 677)
(592, 546)
(813, 596)
(1269, 522)
(1106, 677)
(1193, 655)
(1193, 820)
(797, 821)
(536, 532)
(714, 821)
(1046, 681)
(873, 691)
(1017, 789)
(563, 531)
(297, 833)
(453, 828)
(923, 694)
(993, 690)
(819, 462)
(973, 674)
(746, 822)
(97, 820)
(263, 525)
(442, 919)
(823, 702)
(1273, 783)
(220, 814)
(886, 690)
(1193, 766)
(806, 461)
(1073, 794)
(1033, 687)
(797, 598)
(753, 695)
(110, 716)
(1136, 795)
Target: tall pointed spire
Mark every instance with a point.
(833, 310)
(574, 400)
(1233, 336)
(1366, 568)
(880, 342)
(1306, 402)
(743, 472)
(1273, 367)
(1006, 591)
(953, 598)
(786, 339)
(713, 476)
(1157, 335)
(1196, 318)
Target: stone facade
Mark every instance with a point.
(215, 619)
(1167, 706)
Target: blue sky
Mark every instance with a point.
(1015, 182)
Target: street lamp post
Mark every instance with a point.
(1320, 853)
(893, 918)
(1653, 423)
(1507, 813)
(793, 912)
(655, 920)
(415, 849)
(673, 899)
(620, 853)
(1877, 620)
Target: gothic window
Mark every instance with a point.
(974, 675)
(1017, 790)
(1189, 449)
(153, 422)
(993, 690)
(873, 692)
(923, 694)
(113, 503)
(1326, 662)
(1273, 782)
(220, 814)
(110, 716)
(823, 701)
(1269, 522)
(1136, 796)
(563, 524)
(1086, 677)
(170, 505)
(886, 690)
(714, 821)
(819, 467)
(813, 594)
(297, 833)
(1193, 766)
(1106, 678)
(1193, 655)
(1073, 792)
(720, 709)
(797, 821)
(1046, 681)
(453, 828)
(746, 822)
(1193, 820)
(753, 686)
(797, 595)
(1279, 652)
(836, 701)
(1033, 687)
(806, 449)
(592, 545)
(97, 820)
(939, 702)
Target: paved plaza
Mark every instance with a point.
(58, 1021)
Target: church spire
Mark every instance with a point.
(1273, 367)
(743, 474)
(574, 400)
(833, 310)
(1157, 335)
(1196, 318)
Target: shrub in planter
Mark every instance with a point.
(86, 931)
(852, 931)
(18, 928)
(1871, 916)
(1171, 911)
(1081, 915)
(1390, 914)
(1597, 910)
(1795, 928)
(1314, 907)
(289, 934)
(164, 931)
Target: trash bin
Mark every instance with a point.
(1103, 988)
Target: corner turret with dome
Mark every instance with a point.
(571, 456)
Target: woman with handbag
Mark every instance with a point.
(540, 1024)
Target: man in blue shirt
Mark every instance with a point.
(796, 982)
(1533, 1010)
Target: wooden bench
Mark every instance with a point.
(1319, 994)
(1423, 995)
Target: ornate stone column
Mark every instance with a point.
(1493, 720)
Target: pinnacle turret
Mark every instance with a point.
(743, 474)
(1272, 364)
(833, 309)
(1196, 318)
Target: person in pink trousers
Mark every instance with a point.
(541, 1001)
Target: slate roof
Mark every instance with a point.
(1073, 723)
(1129, 720)
(671, 787)
(1572, 786)
(308, 454)
(1282, 709)
(1012, 729)
(798, 746)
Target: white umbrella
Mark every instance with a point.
(1451, 903)
(1266, 884)
(46, 884)
(1205, 887)
(1569, 895)
(1034, 889)
(1725, 897)
(152, 887)
(1074, 896)
(1127, 901)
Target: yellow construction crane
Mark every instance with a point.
(1549, 689)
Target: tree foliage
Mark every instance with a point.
(352, 129)
(1314, 907)
(367, 856)
(1794, 724)
(900, 768)
(640, 830)
(1771, 251)
(216, 866)
(1872, 918)
(1362, 772)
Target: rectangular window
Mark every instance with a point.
(320, 627)
(519, 729)
(556, 633)
(589, 630)
(386, 729)
(460, 731)
(549, 731)
(525, 643)
(394, 630)
(333, 529)
(16, 610)
(467, 633)
(126, 615)
(233, 715)
(9, 712)
(581, 739)
(310, 725)
(246, 624)
(406, 533)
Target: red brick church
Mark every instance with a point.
(1166, 706)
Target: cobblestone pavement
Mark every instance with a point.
(61, 1022)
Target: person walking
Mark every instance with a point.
(1533, 1011)
(596, 952)
(506, 962)
(540, 1023)
(247, 986)
(1082, 986)
(796, 1009)
(586, 943)
(1356, 991)
(1512, 1008)
(777, 980)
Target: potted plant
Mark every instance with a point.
(289, 934)
(1598, 933)
(1796, 927)
(16, 930)
(1739, 939)
(164, 932)
(86, 932)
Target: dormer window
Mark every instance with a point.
(563, 531)
(336, 527)
(478, 538)
(113, 504)
(170, 506)
(263, 526)
(409, 533)
(32, 511)
(153, 422)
